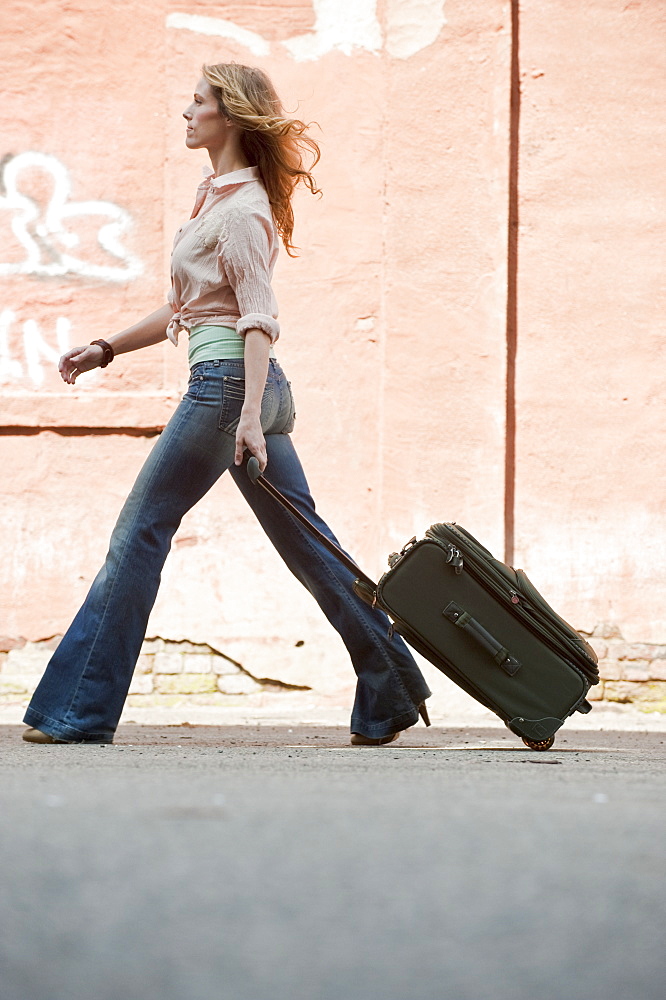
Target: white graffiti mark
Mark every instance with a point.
(36, 349)
(340, 25)
(257, 45)
(412, 25)
(47, 235)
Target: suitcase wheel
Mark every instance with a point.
(539, 744)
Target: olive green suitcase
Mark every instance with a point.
(489, 629)
(482, 623)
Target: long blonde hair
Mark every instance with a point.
(270, 140)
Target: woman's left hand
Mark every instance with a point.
(250, 435)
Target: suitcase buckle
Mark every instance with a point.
(456, 560)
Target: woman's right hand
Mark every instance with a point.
(78, 360)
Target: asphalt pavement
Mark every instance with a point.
(263, 862)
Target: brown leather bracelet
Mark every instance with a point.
(107, 355)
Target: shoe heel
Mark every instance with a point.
(423, 712)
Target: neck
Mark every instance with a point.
(225, 161)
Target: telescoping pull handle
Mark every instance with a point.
(501, 655)
(366, 585)
(253, 469)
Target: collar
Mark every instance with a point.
(241, 176)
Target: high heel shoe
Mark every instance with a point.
(358, 740)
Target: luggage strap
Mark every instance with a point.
(501, 655)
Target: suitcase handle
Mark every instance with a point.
(501, 655)
(259, 480)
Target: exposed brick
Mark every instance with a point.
(633, 692)
(658, 670)
(638, 651)
(599, 646)
(596, 693)
(238, 684)
(197, 663)
(653, 691)
(607, 630)
(16, 684)
(30, 659)
(636, 671)
(145, 664)
(222, 666)
(154, 645)
(611, 670)
(168, 663)
(141, 684)
(620, 691)
(185, 684)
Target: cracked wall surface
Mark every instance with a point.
(177, 673)
(167, 673)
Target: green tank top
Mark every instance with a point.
(210, 342)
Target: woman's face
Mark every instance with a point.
(206, 128)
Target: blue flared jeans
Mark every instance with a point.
(82, 693)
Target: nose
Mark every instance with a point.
(187, 115)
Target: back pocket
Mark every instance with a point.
(233, 397)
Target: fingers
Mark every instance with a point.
(255, 444)
(259, 454)
(70, 359)
(69, 372)
(78, 360)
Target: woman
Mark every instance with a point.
(238, 400)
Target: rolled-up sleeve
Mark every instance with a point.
(244, 257)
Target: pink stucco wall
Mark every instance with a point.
(394, 317)
(591, 485)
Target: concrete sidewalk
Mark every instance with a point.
(264, 862)
(269, 735)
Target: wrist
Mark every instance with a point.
(107, 351)
(250, 411)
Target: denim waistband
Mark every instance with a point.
(235, 364)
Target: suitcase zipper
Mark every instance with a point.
(453, 555)
(536, 620)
